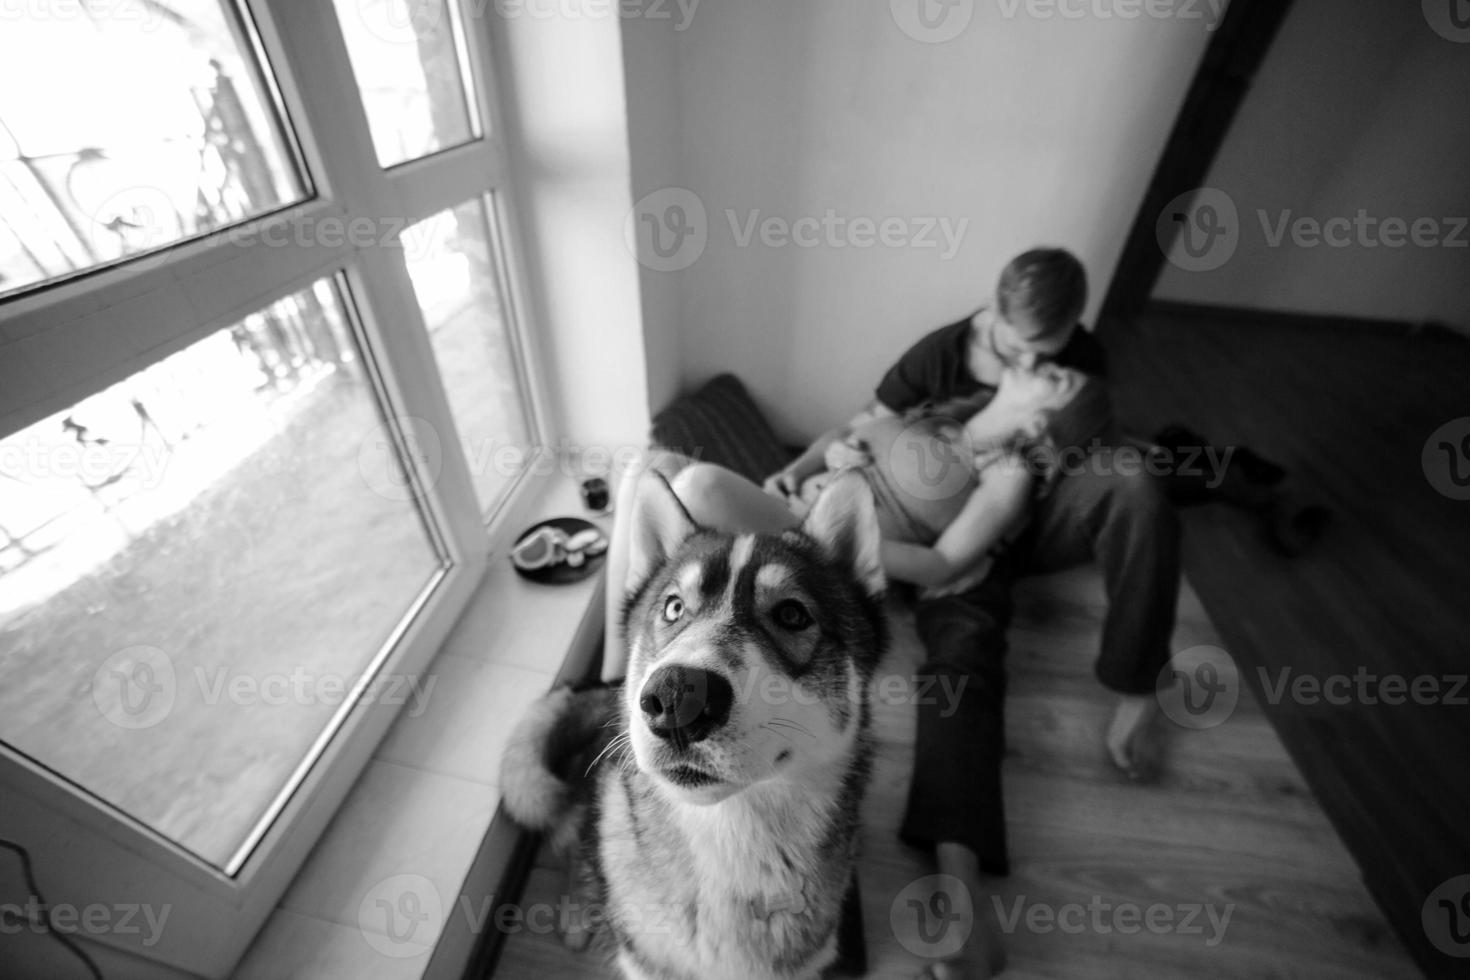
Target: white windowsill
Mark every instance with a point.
(424, 819)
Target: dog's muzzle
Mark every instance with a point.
(683, 705)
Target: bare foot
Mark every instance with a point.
(964, 969)
(1128, 736)
(982, 955)
(984, 959)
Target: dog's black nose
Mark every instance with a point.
(685, 704)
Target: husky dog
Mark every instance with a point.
(722, 817)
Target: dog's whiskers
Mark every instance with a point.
(794, 726)
(621, 741)
(776, 730)
(625, 760)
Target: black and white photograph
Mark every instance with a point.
(734, 489)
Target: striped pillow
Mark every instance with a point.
(720, 424)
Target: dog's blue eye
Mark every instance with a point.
(673, 608)
(791, 615)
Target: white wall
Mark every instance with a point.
(651, 57)
(1032, 129)
(1358, 106)
(567, 106)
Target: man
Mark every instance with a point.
(1123, 521)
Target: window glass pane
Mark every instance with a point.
(126, 127)
(453, 261)
(405, 55)
(195, 566)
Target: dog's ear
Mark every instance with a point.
(844, 522)
(659, 524)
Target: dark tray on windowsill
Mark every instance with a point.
(561, 573)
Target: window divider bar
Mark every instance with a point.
(109, 334)
(61, 302)
(444, 180)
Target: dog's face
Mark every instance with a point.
(749, 655)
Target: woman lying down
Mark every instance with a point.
(953, 483)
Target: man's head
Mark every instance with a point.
(1037, 302)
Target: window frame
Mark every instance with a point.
(62, 341)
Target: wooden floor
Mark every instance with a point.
(1348, 410)
(1232, 825)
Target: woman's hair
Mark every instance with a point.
(1086, 416)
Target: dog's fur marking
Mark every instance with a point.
(715, 575)
(771, 578)
(740, 554)
(690, 578)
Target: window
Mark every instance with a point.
(406, 56)
(232, 498)
(121, 134)
(454, 261)
(225, 477)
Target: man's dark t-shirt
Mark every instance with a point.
(937, 368)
